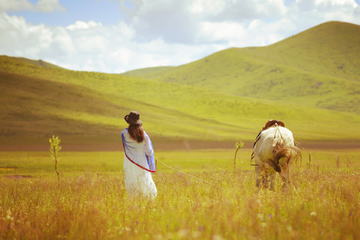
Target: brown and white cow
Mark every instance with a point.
(274, 151)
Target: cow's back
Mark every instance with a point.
(263, 149)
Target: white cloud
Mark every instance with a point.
(83, 25)
(208, 7)
(169, 20)
(336, 2)
(24, 5)
(15, 5)
(180, 21)
(49, 6)
(32, 41)
(162, 32)
(223, 31)
(241, 10)
(96, 43)
(325, 5)
(61, 43)
(308, 13)
(357, 11)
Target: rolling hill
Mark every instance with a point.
(318, 67)
(143, 71)
(225, 97)
(39, 62)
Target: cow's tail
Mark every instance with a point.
(291, 153)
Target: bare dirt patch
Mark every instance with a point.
(18, 176)
(172, 146)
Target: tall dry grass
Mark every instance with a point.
(324, 204)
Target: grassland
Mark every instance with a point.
(91, 202)
(142, 71)
(318, 67)
(225, 97)
(39, 62)
(40, 163)
(78, 104)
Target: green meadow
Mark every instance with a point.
(317, 67)
(90, 201)
(310, 81)
(76, 163)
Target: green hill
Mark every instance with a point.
(142, 71)
(318, 68)
(227, 96)
(39, 62)
(331, 48)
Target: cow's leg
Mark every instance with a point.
(285, 175)
(258, 177)
(265, 180)
(261, 177)
(272, 180)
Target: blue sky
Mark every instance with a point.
(105, 12)
(120, 35)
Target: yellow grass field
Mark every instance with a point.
(90, 201)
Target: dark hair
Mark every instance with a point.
(136, 132)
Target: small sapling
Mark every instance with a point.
(54, 149)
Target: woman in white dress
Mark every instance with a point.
(139, 160)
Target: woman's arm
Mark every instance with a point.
(148, 148)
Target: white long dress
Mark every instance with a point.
(138, 179)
